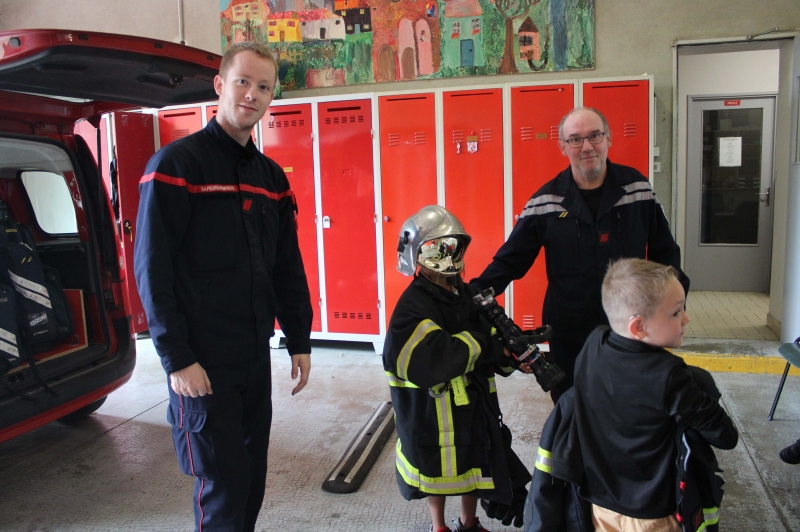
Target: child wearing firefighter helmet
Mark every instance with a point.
(441, 358)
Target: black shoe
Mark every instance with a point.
(791, 455)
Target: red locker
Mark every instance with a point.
(287, 133)
(626, 106)
(535, 159)
(474, 179)
(178, 123)
(408, 174)
(135, 144)
(89, 134)
(211, 111)
(348, 216)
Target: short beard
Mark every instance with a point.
(593, 175)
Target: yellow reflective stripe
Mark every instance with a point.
(444, 485)
(710, 517)
(543, 462)
(424, 327)
(459, 385)
(444, 415)
(473, 347)
(397, 382)
(492, 385)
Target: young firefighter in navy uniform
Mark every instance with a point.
(216, 261)
(440, 358)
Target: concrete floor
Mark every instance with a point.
(116, 470)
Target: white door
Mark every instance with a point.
(729, 185)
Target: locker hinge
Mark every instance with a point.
(375, 218)
(372, 133)
(312, 137)
(379, 303)
(320, 302)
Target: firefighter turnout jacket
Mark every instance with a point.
(440, 359)
(553, 503)
(578, 248)
(216, 253)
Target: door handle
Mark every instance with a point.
(765, 199)
(385, 218)
(129, 229)
(326, 222)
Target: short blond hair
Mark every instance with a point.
(236, 48)
(634, 287)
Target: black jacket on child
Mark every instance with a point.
(440, 359)
(630, 400)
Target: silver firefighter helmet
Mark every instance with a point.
(435, 239)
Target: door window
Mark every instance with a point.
(51, 202)
(731, 176)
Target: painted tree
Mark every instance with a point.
(511, 10)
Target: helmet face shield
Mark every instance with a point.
(443, 255)
(434, 239)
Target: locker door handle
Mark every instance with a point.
(385, 218)
(129, 229)
(326, 222)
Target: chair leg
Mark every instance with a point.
(780, 389)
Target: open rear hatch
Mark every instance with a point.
(50, 185)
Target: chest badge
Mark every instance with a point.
(247, 204)
(602, 237)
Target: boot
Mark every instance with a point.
(791, 454)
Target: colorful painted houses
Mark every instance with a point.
(357, 15)
(321, 25)
(462, 37)
(284, 27)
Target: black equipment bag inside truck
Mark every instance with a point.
(9, 347)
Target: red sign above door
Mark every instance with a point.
(729, 103)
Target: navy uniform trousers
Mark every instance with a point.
(221, 439)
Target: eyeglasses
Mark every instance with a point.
(594, 138)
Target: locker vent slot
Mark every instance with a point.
(406, 98)
(624, 86)
(458, 135)
(345, 119)
(554, 132)
(185, 113)
(286, 123)
(393, 139)
(179, 134)
(486, 135)
(353, 315)
(528, 321)
(420, 137)
(629, 130)
(546, 89)
(526, 133)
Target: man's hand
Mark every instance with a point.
(190, 381)
(301, 363)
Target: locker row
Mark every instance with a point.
(359, 165)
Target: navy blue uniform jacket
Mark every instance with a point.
(578, 248)
(216, 254)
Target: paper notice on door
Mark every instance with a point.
(730, 151)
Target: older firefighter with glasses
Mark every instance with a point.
(440, 358)
(592, 213)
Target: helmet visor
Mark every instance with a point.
(443, 255)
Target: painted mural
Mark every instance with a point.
(323, 43)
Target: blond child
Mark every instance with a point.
(631, 395)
